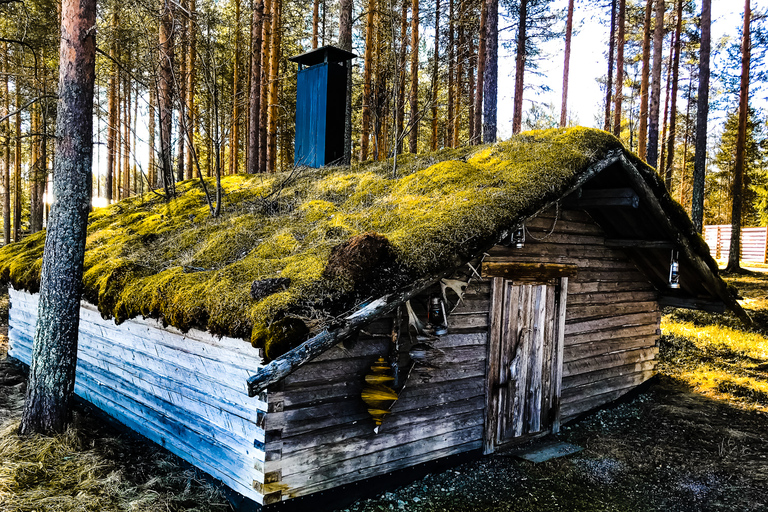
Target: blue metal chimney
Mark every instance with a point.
(321, 93)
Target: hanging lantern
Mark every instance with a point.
(437, 318)
(518, 237)
(377, 394)
(674, 270)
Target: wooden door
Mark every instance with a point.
(525, 360)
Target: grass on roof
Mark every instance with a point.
(173, 261)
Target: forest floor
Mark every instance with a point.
(694, 440)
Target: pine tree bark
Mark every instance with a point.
(367, 67)
(653, 121)
(490, 79)
(54, 352)
(315, 21)
(566, 65)
(460, 54)
(35, 173)
(662, 141)
(127, 137)
(609, 80)
(266, 48)
(191, 119)
(618, 97)
(481, 50)
(702, 112)
(7, 152)
(741, 140)
(274, 60)
(522, 25)
(181, 88)
(403, 51)
(471, 66)
(165, 97)
(345, 42)
(413, 120)
(234, 151)
(435, 72)
(451, 74)
(254, 105)
(112, 108)
(17, 166)
(642, 126)
(673, 102)
(152, 166)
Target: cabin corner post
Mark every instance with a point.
(557, 364)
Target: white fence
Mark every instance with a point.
(753, 242)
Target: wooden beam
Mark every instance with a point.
(527, 271)
(640, 244)
(606, 197)
(675, 301)
(709, 278)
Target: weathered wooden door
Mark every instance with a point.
(525, 360)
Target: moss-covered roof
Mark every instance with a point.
(174, 261)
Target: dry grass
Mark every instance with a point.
(716, 355)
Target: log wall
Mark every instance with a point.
(185, 392)
(612, 312)
(319, 434)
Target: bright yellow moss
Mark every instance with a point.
(172, 260)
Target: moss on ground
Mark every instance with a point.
(175, 262)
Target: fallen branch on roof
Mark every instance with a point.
(313, 347)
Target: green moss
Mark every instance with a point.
(173, 261)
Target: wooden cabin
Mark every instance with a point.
(550, 311)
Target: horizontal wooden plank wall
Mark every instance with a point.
(754, 242)
(612, 316)
(321, 436)
(185, 392)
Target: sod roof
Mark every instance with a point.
(173, 261)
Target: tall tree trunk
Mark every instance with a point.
(17, 166)
(315, 21)
(413, 120)
(165, 97)
(403, 51)
(566, 65)
(490, 79)
(7, 152)
(609, 80)
(274, 60)
(619, 96)
(54, 352)
(673, 104)
(35, 199)
(663, 140)
(377, 105)
(266, 49)
(741, 142)
(471, 66)
(460, 54)
(522, 25)
(702, 112)
(367, 96)
(451, 74)
(345, 42)
(234, 150)
(481, 50)
(112, 109)
(653, 121)
(127, 137)
(435, 72)
(255, 92)
(642, 122)
(181, 88)
(191, 119)
(152, 166)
